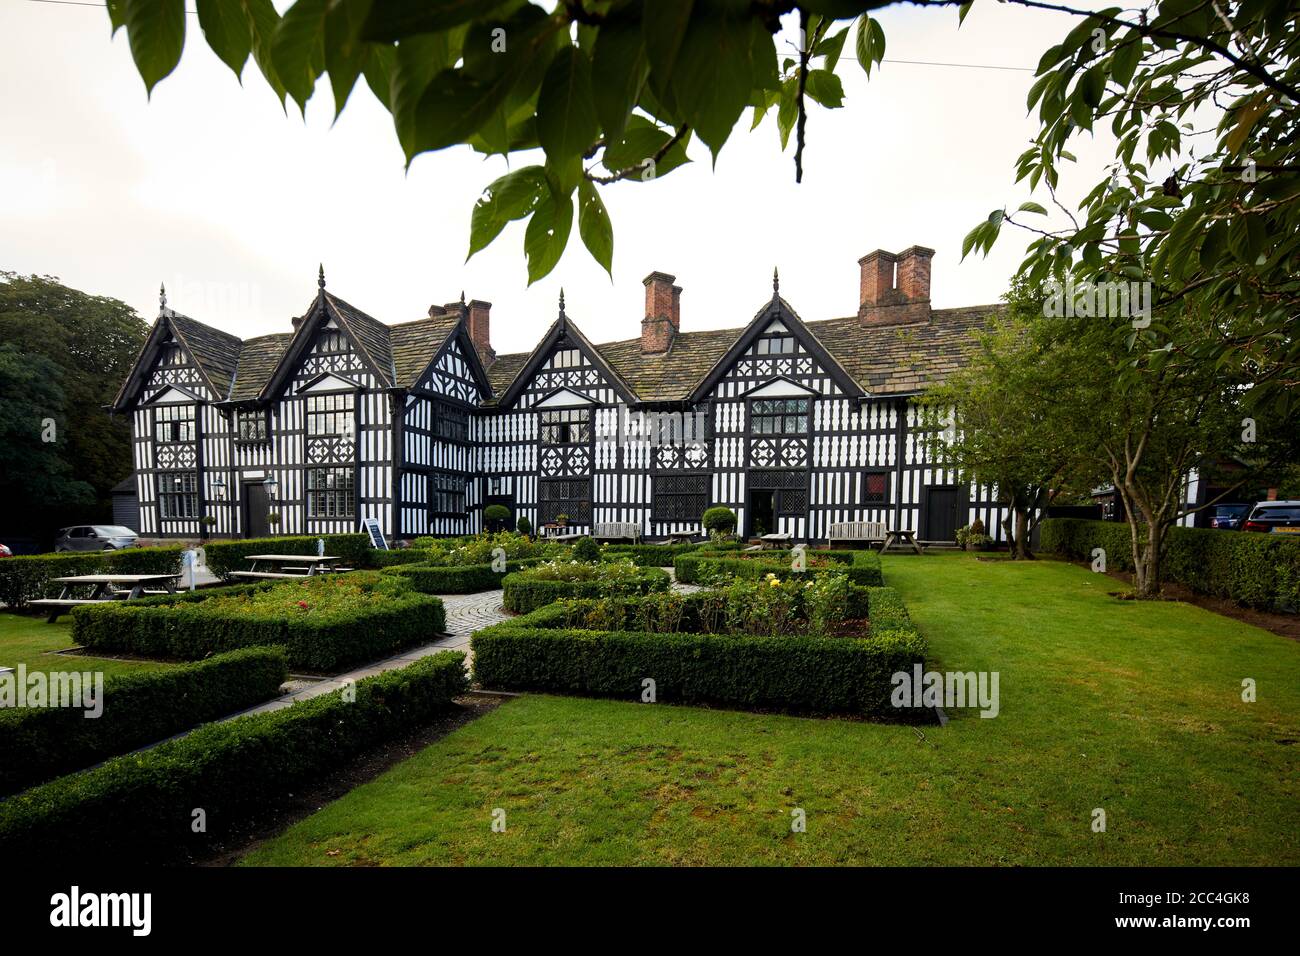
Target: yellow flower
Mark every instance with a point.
(775, 582)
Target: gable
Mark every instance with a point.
(328, 383)
(173, 395)
(780, 388)
(455, 373)
(564, 359)
(564, 398)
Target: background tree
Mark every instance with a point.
(993, 419)
(67, 353)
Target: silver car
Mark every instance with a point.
(95, 537)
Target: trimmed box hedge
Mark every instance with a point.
(227, 556)
(523, 595)
(649, 555)
(1255, 569)
(190, 627)
(26, 577)
(807, 674)
(139, 809)
(452, 579)
(37, 744)
(700, 567)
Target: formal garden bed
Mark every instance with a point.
(811, 643)
(325, 622)
(704, 566)
(467, 565)
(141, 807)
(557, 579)
(26, 577)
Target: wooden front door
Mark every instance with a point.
(943, 506)
(257, 504)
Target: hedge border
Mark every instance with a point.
(862, 567)
(453, 579)
(37, 744)
(523, 595)
(223, 557)
(649, 555)
(25, 577)
(181, 628)
(1257, 570)
(138, 808)
(803, 674)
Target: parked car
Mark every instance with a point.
(5, 552)
(1230, 516)
(95, 537)
(1277, 517)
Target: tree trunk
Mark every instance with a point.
(1146, 565)
(1022, 535)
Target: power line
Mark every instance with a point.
(963, 66)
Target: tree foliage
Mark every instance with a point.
(66, 355)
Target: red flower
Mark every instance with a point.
(303, 605)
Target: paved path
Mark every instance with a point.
(466, 613)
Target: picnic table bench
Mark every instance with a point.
(682, 537)
(288, 566)
(777, 539)
(903, 538)
(104, 587)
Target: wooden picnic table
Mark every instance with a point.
(288, 565)
(902, 538)
(777, 539)
(682, 537)
(104, 587)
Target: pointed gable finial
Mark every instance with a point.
(320, 277)
(162, 297)
(776, 281)
(561, 302)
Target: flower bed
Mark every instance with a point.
(702, 567)
(551, 581)
(439, 579)
(325, 622)
(139, 808)
(602, 648)
(648, 555)
(482, 549)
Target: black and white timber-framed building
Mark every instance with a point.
(420, 425)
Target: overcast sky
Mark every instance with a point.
(212, 189)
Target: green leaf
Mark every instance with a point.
(640, 141)
(594, 226)
(712, 77)
(513, 196)
(869, 43)
(618, 71)
(1127, 55)
(831, 46)
(345, 52)
(263, 22)
(298, 49)
(116, 14)
(788, 109)
(1032, 207)
(566, 106)
(156, 31)
(394, 20)
(825, 87)
(378, 69)
(663, 35)
(547, 234)
(225, 27)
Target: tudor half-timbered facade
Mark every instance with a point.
(795, 425)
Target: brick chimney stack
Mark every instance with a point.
(895, 287)
(480, 330)
(663, 313)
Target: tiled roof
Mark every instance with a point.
(216, 352)
(884, 360)
(902, 359)
(414, 344)
(257, 361)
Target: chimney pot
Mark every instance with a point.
(662, 313)
(479, 313)
(895, 287)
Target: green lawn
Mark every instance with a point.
(1132, 708)
(32, 641)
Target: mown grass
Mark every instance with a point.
(1131, 708)
(34, 642)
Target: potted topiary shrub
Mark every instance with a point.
(524, 526)
(562, 520)
(719, 522)
(975, 538)
(208, 522)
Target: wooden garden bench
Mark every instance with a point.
(871, 531)
(777, 539)
(617, 531)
